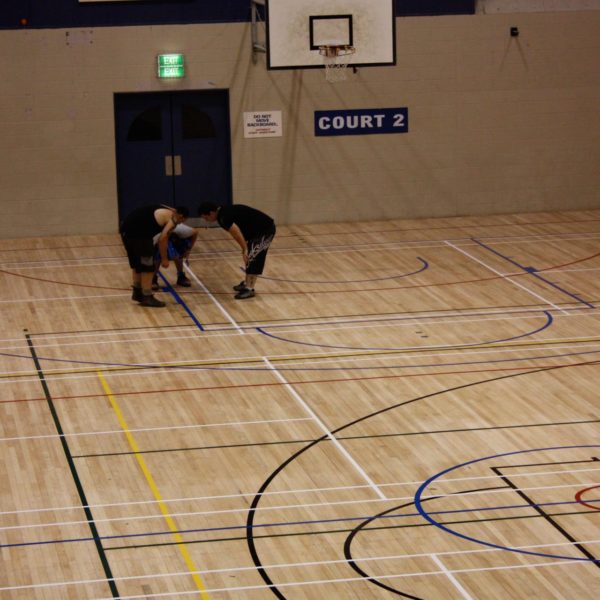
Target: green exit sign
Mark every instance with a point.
(170, 66)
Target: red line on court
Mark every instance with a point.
(580, 493)
(101, 287)
(306, 382)
(395, 288)
(321, 233)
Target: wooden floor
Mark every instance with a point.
(406, 409)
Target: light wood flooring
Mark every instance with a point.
(406, 409)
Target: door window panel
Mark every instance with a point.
(146, 127)
(196, 124)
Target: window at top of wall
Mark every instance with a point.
(146, 127)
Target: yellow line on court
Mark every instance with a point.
(155, 491)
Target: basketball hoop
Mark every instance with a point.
(336, 58)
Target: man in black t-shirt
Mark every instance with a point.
(252, 229)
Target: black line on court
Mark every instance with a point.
(341, 438)
(377, 528)
(65, 446)
(267, 482)
(252, 323)
(205, 530)
(545, 515)
(354, 565)
(550, 464)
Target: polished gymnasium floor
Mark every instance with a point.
(406, 409)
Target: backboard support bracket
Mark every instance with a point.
(258, 36)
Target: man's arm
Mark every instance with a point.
(193, 239)
(236, 234)
(163, 242)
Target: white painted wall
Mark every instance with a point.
(497, 124)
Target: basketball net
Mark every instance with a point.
(336, 59)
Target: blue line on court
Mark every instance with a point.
(321, 521)
(548, 322)
(424, 263)
(179, 300)
(467, 363)
(533, 271)
(427, 515)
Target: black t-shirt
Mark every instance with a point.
(252, 222)
(141, 223)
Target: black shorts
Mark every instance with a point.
(140, 252)
(257, 252)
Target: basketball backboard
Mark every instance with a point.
(296, 29)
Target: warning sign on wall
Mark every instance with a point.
(263, 124)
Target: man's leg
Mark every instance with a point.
(146, 272)
(134, 263)
(250, 281)
(182, 280)
(147, 297)
(257, 254)
(137, 286)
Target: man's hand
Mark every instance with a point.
(238, 236)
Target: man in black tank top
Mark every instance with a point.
(137, 232)
(252, 229)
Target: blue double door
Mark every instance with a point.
(172, 148)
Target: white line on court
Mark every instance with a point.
(334, 324)
(507, 278)
(304, 583)
(152, 429)
(39, 299)
(313, 505)
(302, 565)
(325, 430)
(216, 302)
(450, 576)
(313, 363)
(306, 324)
(331, 249)
(316, 490)
(309, 325)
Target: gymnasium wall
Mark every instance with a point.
(497, 123)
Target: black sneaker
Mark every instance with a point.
(183, 281)
(152, 301)
(245, 293)
(240, 286)
(137, 294)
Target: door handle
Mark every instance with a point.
(169, 165)
(177, 163)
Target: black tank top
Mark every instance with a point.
(141, 222)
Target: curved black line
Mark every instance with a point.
(256, 500)
(352, 562)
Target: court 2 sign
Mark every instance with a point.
(361, 121)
